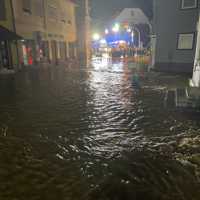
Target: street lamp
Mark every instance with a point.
(106, 31)
(116, 28)
(102, 41)
(96, 37)
(129, 30)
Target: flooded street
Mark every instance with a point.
(88, 134)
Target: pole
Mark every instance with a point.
(87, 31)
(139, 37)
(14, 29)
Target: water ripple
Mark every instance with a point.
(88, 134)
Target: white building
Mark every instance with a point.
(132, 16)
(195, 82)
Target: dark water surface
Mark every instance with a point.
(71, 134)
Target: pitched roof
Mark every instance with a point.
(132, 15)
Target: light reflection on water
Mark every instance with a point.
(87, 134)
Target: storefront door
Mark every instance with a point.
(54, 51)
(5, 60)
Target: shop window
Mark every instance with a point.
(54, 50)
(71, 49)
(44, 50)
(29, 52)
(5, 59)
(2, 10)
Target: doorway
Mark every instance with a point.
(54, 50)
(5, 56)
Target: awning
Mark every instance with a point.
(6, 34)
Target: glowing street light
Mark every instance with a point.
(129, 30)
(103, 41)
(96, 37)
(106, 31)
(116, 28)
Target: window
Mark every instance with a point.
(26, 5)
(132, 13)
(187, 4)
(52, 12)
(2, 10)
(185, 41)
(64, 21)
(39, 7)
(63, 16)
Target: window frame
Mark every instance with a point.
(51, 17)
(193, 42)
(189, 7)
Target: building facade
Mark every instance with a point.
(195, 81)
(174, 39)
(83, 22)
(8, 48)
(47, 27)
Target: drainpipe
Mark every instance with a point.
(14, 29)
(87, 30)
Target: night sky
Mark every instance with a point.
(104, 10)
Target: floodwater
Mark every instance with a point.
(88, 134)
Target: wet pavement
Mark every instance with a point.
(88, 134)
